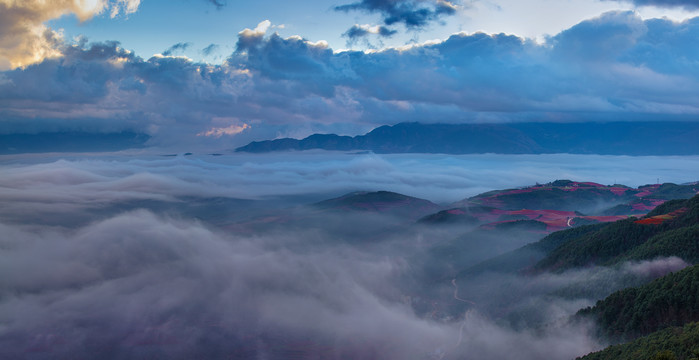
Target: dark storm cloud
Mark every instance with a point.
(179, 47)
(411, 13)
(616, 66)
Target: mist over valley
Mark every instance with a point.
(312, 255)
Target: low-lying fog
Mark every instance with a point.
(132, 256)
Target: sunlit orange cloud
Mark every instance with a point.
(24, 37)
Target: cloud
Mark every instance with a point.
(229, 130)
(613, 67)
(102, 87)
(97, 270)
(218, 3)
(145, 255)
(560, 294)
(411, 13)
(687, 4)
(247, 37)
(210, 49)
(139, 284)
(358, 31)
(25, 40)
(44, 189)
(179, 47)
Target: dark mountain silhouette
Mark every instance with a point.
(612, 138)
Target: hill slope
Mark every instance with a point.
(672, 300)
(676, 343)
(384, 202)
(670, 234)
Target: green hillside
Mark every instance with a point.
(682, 242)
(670, 230)
(672, 300)
(676, 343)
(601, 247)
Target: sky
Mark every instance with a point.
(220, 73)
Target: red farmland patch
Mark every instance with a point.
(659, 219)
(643, 193)
(647, 190)
(651, 221)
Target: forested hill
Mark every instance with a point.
(669, 230)
(676, 343)
(672, 300)
(662, 314)
(610, 138)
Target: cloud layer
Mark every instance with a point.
(140, 286)
(133, 284)
(123, 256)
(82, 185)
(613, 67)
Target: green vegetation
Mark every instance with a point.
(600, 247)
(669, 191)
(680, 343)
(682, 242)
(667, 207)
(624, 240)
(672, 300)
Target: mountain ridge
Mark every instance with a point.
(606, 138)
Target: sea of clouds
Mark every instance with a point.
(94, 268)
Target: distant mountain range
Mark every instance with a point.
(609, 138)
